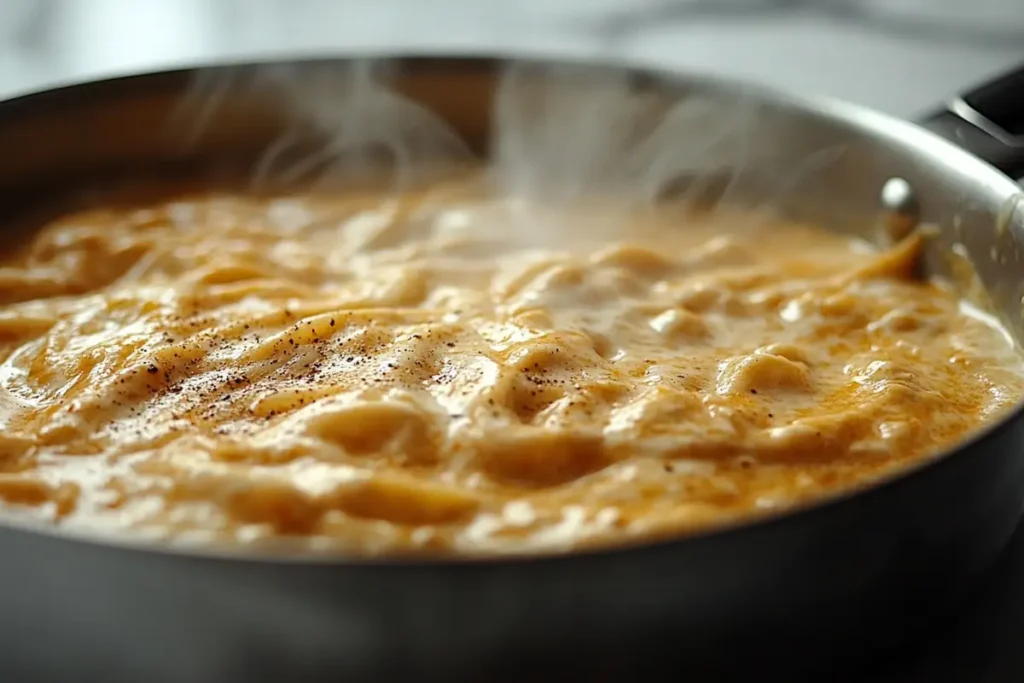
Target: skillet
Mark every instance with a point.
(809, 592)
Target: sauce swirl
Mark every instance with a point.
(405, 375)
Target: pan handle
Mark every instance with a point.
(987, 121)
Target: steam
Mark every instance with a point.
(367, 129)
(559, 135)
(562, 133)
(344, 126)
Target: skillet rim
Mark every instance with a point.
(858, 118)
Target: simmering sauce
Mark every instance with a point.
(431, 374)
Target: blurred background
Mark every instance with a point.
(896, 55)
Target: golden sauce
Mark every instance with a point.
(418, 374)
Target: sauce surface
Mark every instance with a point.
(437, 374)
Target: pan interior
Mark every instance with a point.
(650, 140)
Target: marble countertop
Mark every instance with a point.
(900, 56)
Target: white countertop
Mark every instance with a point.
(885, 58)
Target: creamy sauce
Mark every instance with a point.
(460, 376)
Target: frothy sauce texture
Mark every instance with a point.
(434, 374)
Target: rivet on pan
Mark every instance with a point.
(901, 212)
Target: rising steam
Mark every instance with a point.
(558, 135)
